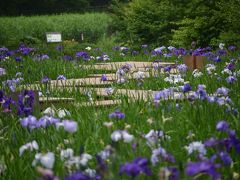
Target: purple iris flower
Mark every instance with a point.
(227, 160)
(222, 126)
(1, 95)
(25, 102)
(46, 121)
(116, 114)
(80, 54)
(211, 142)
(18, 59)
(104, 77)
(232, 48)
(161, 153)
(164, 94)
(83, 55)
(59, 47)
(180, 51)
(230, 66)
(8, 101)
(186, 88)
(134, 53)
(61, 77)
(45, 79)
(44, 56)
(167, 68)
(133, 169)
(182, 68)
(12, 83)
(30, 122)
(198, 52)
(206, 167)
(222, 52)
(67, 58)
(201, 92)
(3, 49)
(222, 91)
(77, 176)
(10, 53)
(231, 79)
(70, 126)
(23, 49)
(174, 173)
(217, 59)
(146, 52)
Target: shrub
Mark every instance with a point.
(146, 21)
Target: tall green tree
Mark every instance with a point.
(178, 22)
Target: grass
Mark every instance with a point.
(198, 117)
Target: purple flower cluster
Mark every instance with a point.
(83, 55)
(45, 79)
(161, 153)
(31, 122)
(203, 167)
(231, 79)
(24, 50)
(12, 83)
(77, 176)
(3, 53)
(61, 77)
(222, 148)
(117, 115)
(182, 68)
(186, 88)
(104, 77)
(41, 57)
(134, 168)
(25, 102)
(164, 94)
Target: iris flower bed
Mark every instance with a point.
(194, 137)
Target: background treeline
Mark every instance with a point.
(177, 22)
(38, 7)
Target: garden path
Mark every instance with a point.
(94, 80)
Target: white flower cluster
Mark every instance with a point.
(29, 146)
(122, 135)
(196, 73)
(196, 146)
(47, 160)
(61, 113)
(174, 79)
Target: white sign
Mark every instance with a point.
(54, 37)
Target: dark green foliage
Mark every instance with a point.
(178, 22)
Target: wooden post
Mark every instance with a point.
(194, 62)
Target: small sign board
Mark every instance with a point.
(54, 37)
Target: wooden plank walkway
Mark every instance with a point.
(100, 103)
(81, 84)
(134, 64)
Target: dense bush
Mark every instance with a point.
(145, 21)
(33, 29)
(178, 22)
